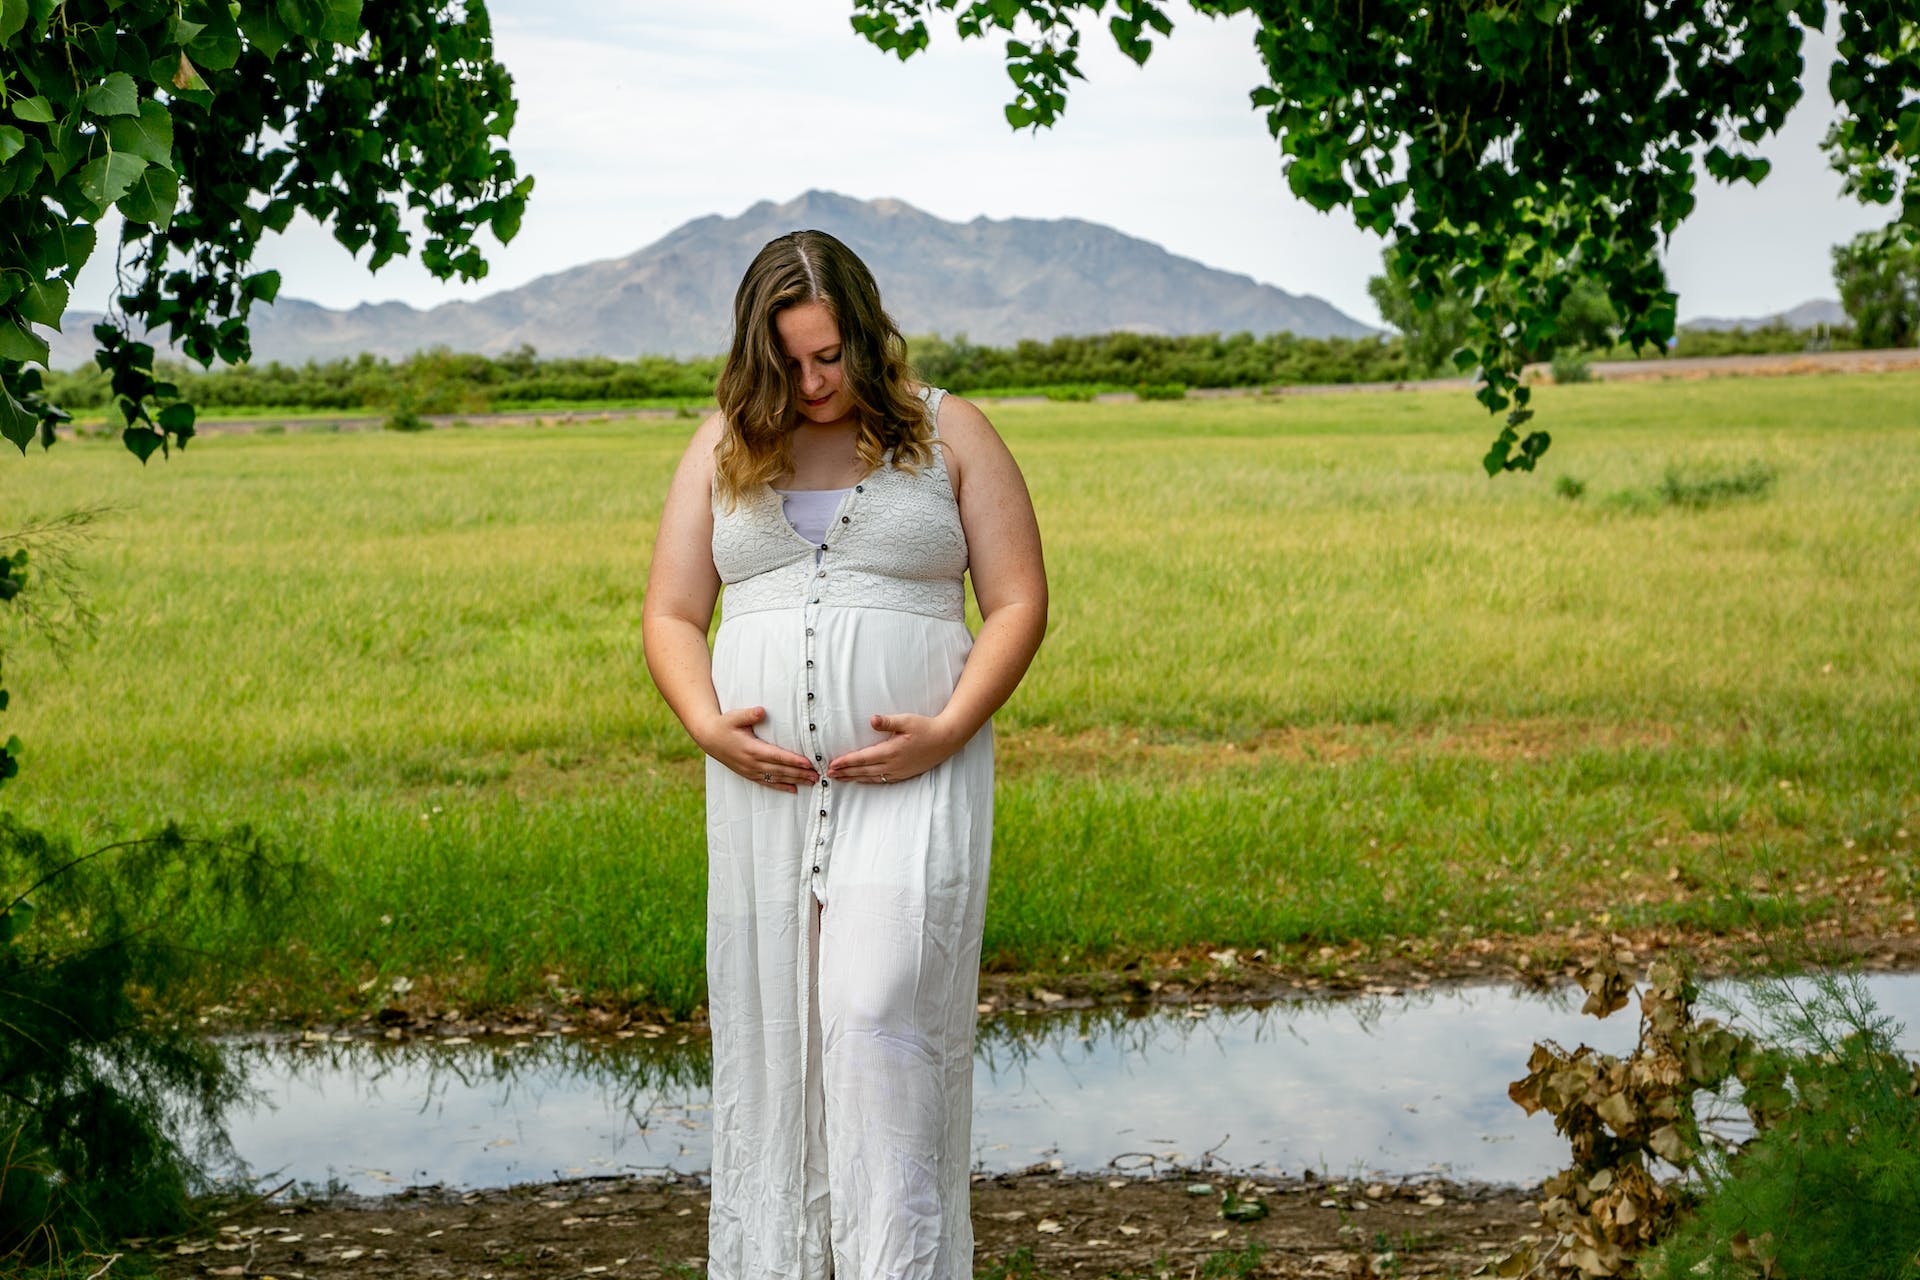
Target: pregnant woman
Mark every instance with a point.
(834, 507)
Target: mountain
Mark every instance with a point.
(1814, 312)
(994, 281)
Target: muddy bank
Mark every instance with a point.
(1070, 1224)
(1879, 933)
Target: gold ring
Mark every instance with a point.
(883, 777)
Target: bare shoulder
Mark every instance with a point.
(707, 435)
(972, 443)
(963, 425)
(697, 461)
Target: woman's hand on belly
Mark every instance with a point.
(730, 739)
(914, 744)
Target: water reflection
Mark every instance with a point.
(1389, 1086)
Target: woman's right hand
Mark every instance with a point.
(730, 739)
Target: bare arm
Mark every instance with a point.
(1010, 582)
(682, 586)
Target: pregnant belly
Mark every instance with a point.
(864, 662)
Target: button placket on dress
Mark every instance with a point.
(818, 849)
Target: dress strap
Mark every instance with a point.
(933, 396)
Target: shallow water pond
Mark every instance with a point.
(1390, 1086)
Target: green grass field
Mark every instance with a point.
(1311, 677)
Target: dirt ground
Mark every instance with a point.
(1037, 1223)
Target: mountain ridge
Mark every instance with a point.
(996, 281)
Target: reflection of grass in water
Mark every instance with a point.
(1311, 678)
(621, 1070)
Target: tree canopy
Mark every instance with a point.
(1878, 275)
(208, 124)
(1507, 148)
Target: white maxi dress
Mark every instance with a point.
(843, 922)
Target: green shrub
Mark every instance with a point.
(1570, 488)
(1571, 365)
(1701, 485)
(1075, 392)
(403, 418)
(1832, 1189)
(1162, 391)
(94, 1085)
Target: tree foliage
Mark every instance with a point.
(1487, 139)
(208, 124)
(1435, 333)
(1878, 275)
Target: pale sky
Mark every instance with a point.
(637, 117)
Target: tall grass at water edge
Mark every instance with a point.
(1311, 676)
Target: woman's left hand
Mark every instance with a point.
(916, 744)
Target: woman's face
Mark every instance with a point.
(811, 339)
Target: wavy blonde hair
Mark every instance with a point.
(756, 391)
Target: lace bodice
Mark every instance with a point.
(894, 542)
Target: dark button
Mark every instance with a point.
(813, 728)
(816, 871)
(859, 488)
(809, 695)
(846, 519)
(823, 572)
(816, 599)
(816, 757)
(823, 546)
(809, 661)
(809, 630)
(823, 813)
(823, 784)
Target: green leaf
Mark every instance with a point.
(264, 30)
(142, 442)
(33, 110)
(69, 148)
(114, 96)
(148, 135)
(13, 16)
(217, 46)
(343, 25)
(12, 142)
(62, 247)
(44, 302)
(108, 178)
(263, 287)
(20, 343)
(152, 197)
(17, 426)
(1909, 131)
(337, 21)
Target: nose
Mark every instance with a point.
(811, 382)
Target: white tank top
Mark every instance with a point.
(809, 510)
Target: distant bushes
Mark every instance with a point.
(1772, 339)
(1129, 361)
(432, 382)
(1152, 366)
(1069, 369)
